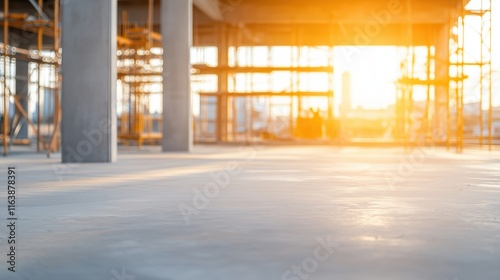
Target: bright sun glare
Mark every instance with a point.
(373, 70)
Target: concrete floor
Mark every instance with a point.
(437, 218)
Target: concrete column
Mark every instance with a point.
(22, 75)
(176, 26)
(442, 46)
(89, 81)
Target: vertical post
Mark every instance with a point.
(150, 23)
(236, 34)
(428, 97)
(490, 77)
(39, 76)
(89, 85)
(56, 26)
(298, 36)
(176, 26)
(293, 63)
(481, 79)
(408, 93)
(57, 103)
(5, 88)
(223, 62)
(460, 107)
(409, 142)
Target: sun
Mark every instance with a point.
(374, 72)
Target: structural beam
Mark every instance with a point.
(317, 34)
(176, 25)
(210, 8)
(89, 85)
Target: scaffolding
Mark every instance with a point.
(462, 65)
(240, 95)
(44, 58)
(139, 79)
(482, 65)
(250, 104)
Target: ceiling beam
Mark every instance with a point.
(210, 8)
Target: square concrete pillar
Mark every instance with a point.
(89, 81)
(176, 29)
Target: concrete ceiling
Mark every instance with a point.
(320, 11)
(353, 11)
(300, 11)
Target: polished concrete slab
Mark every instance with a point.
(257, 212)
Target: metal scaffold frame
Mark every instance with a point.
(484, 63)
(137, 74)
(460, 65)
(41, 25)
(237, 91)
(235, 113)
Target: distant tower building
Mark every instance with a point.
(346, 94)
(345, 106)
